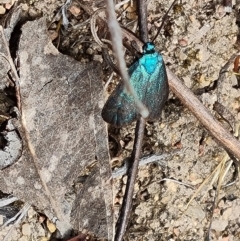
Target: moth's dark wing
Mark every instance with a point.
(156, 92)
(119, 110)
(152, 89)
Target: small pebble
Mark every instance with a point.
(31, 213)
(23, 238)
(33, 13)
(227, 213)
(53, 34)
(2, 10)
(51, 226)
(26, 229)
(25, 7)
(125, 179)
(89, 51)
(219, 225)
(44, 239)
(1, 220)
(98, 58)
(74, 10)
(220, 11)
(183, 42)
(9, 5)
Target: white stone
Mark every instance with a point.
(2, 10)
(23, 238)
(26, 229)
(219, 225)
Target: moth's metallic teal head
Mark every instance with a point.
(148, 48)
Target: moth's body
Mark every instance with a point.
(149, 80)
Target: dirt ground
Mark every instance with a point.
(199, 38)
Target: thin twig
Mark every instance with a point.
(132, 174)
(21, 214)
(117, 6)
(222, 174)
(160, 159)
(109, 61)
(203, 115)
(142, 20)
(116, 36)
(163, 20)
(8, 200)
(126, 208)
(13, 68)
(93, 27)
(108, 81)
(220, 181)
(176, 181)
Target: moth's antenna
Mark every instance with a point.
(163, 19)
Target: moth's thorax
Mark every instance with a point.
(151, 61)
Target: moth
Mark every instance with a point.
(149, 79)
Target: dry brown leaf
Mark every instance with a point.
(62, 133)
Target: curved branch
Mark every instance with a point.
(203, 115)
